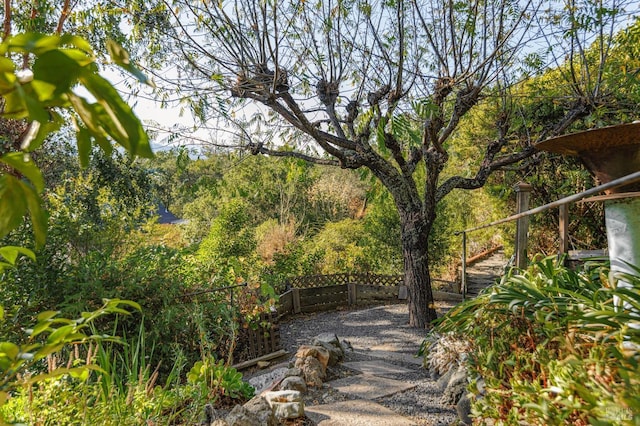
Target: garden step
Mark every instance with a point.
(355, 413)
(366, 386)
(376, 368)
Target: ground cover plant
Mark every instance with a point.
(550, 346)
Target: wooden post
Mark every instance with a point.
(295, 292)
(464, 266)
(563, 229)
(352, 292)
(523, 192)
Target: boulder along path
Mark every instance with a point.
(380, 381)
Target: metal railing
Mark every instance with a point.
(522, 217)
(217, 289)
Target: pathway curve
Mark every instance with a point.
(485, 272)
(381, 382)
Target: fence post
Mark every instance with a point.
(523, 192)
(295, 293)
(464, 265)
(563, 228)
(352, 293)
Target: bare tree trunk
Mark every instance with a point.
(415, 249)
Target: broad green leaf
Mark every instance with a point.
(7, 76)
(31, 42)
(86, 112)
(79, 373)
(75, 337)
(47, 315)
(11, 253)
(58, 69)
(117, 302)
(15, 105)
(45, 92)
(83, 140)
(91, 120)
(77, 41)
(21, 104)
(1, 314)
(35, 108)
(13, 205)
(119, 121)
(114, 310)
(27, 168)
(7, 65)
(10, 350)
(60, 334)
(39, 328)
(80, 57)
(36, 212)
(121, 58)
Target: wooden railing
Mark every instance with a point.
(522, 217)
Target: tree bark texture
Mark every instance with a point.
(415, 250)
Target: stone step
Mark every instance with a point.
(355, 413)
(366, 386)
(376, 368)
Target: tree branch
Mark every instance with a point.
(64, 14)
(485, 169)
(7, 19)
(261, 149)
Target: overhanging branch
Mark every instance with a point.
(261, 149)
(484, 171)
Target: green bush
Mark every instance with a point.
(31, 361)
(550, 347)
(216, 380)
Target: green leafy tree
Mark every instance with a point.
(229, 237)
(344, 83)
(39, 79)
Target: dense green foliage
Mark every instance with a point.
(549, 347)
(549, 344)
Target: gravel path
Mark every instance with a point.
(374, 333)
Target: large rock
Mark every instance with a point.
(331, 343)
(463, 408)
(267, 380)
(296, 383)
(240, 416)
(262, 409)
(318, 352)
(330, 339)
(286, 404)
(313, 371)
(256, 412)
(456, 387)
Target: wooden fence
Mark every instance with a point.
(338, 279)
(256, 343)
(314, 293)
